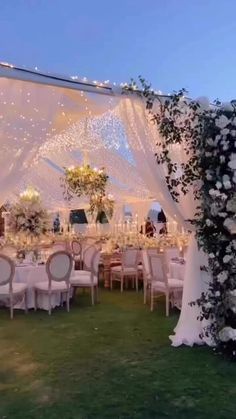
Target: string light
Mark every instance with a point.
(105, 133)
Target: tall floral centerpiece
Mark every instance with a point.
(90, 182)
(27, 215)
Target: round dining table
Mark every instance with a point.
(31, 274)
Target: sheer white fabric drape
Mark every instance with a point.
(143, 137)
(141, 209)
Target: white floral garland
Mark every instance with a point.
(208, 137)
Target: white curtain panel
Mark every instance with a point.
(143, 137)
(141, 209)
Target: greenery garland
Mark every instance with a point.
(207, 135)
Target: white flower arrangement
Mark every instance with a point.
(227, 333)
(27, 215)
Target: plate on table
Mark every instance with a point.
(181, 261)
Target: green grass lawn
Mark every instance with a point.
(113, 360)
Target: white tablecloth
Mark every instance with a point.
(30, 275)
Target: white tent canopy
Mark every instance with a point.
(48, 122)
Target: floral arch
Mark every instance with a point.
(206, 137)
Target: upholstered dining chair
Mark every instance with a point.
(160, 282)
(88, 278)
(9, 289)
(127, 270)
(76, 249)
(172, 252)
(146, 269)
(88, 255)
(58, 268)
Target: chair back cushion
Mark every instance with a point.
(130, 258)
(7, 269)
(146, 263)
(157, 265)
(76, 247)
(59, 266)
(88, 257)
(95, 262)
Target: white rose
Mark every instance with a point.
(217, 293)
(227, 184)
(222, 276)
(222, 159)
(230, 224)
(224, 196)
(225, 131)
(231, 204)
(218, 185)
(210, 141)
(226, 106)
(208, 222)
(222, 214)
(227, 258)
(222, 121)
(214, 192)
(203, 102)
(232, 162)
(211, 255)
(227, 333)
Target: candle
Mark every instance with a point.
(174, 226)
(168, 226)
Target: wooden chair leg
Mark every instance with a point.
(152, 299)
(35, 300)
(26, 305)
(92, 295)
(49, 304)
(97, 294)
(167, 304)
(144, 293)
(68, 301)
(11, 307)
(122, 284)
(136, 282)
(111, 282)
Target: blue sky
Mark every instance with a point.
(172, 43)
